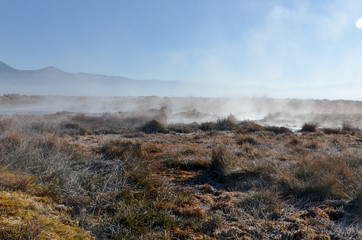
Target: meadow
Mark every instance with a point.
(79, 176)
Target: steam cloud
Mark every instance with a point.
(270, 111)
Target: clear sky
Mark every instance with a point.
(264, 42)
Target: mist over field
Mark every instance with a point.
(291, 113)
(190, 119)
(52, 90)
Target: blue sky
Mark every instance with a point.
(270, 43)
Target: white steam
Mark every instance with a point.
(270, 111)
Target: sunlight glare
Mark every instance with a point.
(359, 23)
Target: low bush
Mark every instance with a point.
(331, 130)
(207, 126)
(226, 124)
(183, 128)
(309, 127)
(219, 163)
(153, 126)
(348, 128)
(249, 127)
(278, 130)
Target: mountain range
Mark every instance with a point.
(53, 81)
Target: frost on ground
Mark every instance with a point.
(105, 178)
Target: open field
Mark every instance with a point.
(79, 176)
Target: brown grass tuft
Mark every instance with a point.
(72, 128)
(331, 130)
(5, 124)
(309, 127)
(119, 149)
(247, 139)
(249, 127)
(219, 162)
(278, 130)
(349, 129)
(261, 204)
(207, 126)
(153, 127)
(226, 124)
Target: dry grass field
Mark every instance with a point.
(75, 176)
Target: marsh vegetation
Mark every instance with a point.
(100, 177)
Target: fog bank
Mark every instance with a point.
(270, 111)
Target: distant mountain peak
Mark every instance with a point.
(6, 68)
(50, 69)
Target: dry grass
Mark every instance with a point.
(153, 127)
(25, 216)
(247, 139)
(261, 204)
(219, 163)
(226, 124)
(121, 149)
(332, 130)
(309, 127)
(238, 180)
(358, 202)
